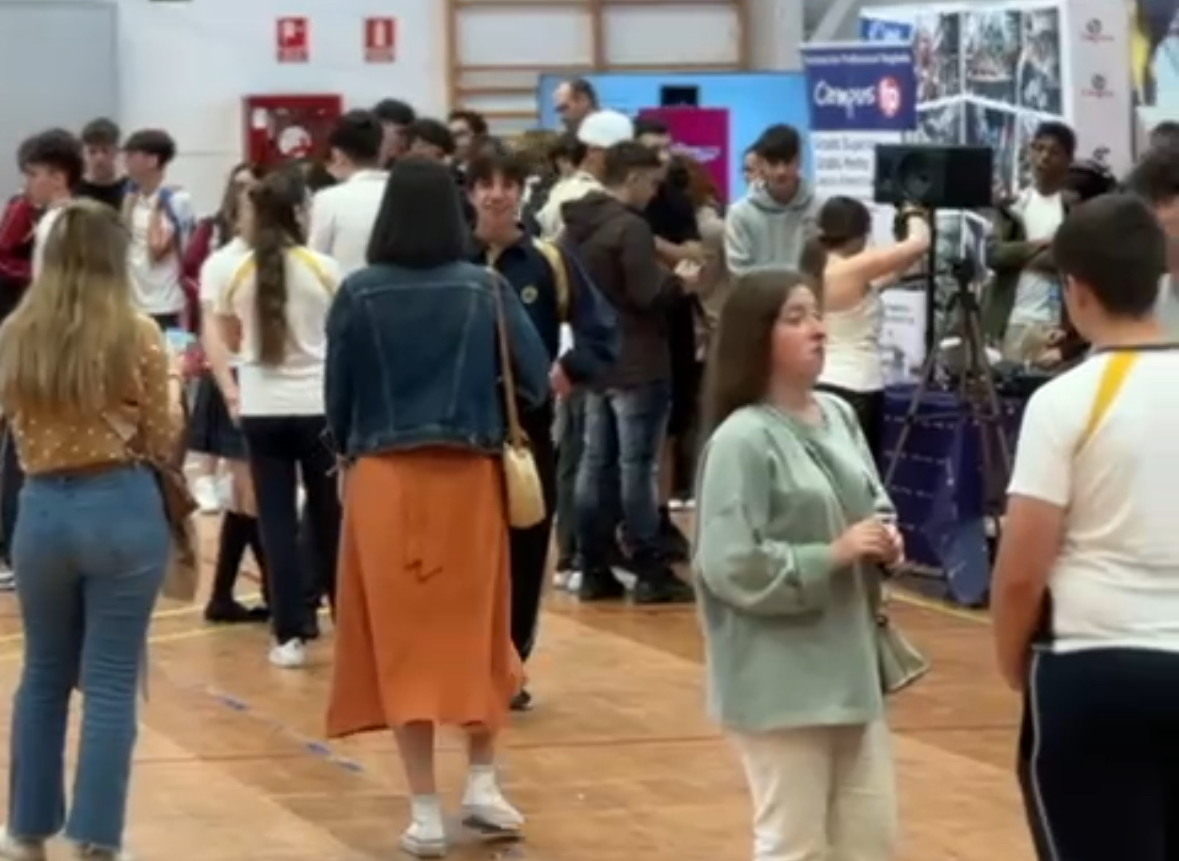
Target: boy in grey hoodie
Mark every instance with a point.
(772, 223)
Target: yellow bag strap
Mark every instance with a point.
(1113, 377)
(247, 267)
(560, 274)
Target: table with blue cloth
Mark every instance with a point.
(938, 485)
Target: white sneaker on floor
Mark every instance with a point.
(7, 579)
(573, 582)
(424, 840)
(12, 849)
(289, 655)
(204, 491)
(485, 809)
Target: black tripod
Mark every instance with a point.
(975, 388)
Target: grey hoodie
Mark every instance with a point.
(762, 232)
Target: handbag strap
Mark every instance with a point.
(515, 432)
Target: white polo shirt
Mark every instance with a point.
(342, 218)
(293, 387)
(157, 284)
(1116, 580)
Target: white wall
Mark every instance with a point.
(186, 65)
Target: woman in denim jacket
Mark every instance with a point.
(415, 405)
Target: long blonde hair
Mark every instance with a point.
(72, 346)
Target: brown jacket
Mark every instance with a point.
(617, 249)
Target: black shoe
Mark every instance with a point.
(674, 544)
(233, 613)
(600, 585)
(663, 588)
(522, 701)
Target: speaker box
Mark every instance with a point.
(934, 176)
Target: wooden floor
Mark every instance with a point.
(617, 763)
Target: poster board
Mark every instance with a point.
(990, 72)
(861, 95)
(1154, 64)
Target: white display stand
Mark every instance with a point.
(990, 72)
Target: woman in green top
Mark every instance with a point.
(793, 526)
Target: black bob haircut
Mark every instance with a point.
(420, 224)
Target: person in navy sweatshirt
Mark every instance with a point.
(557, 296)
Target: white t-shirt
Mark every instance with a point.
(217, 273)
(157, 284)
(342, 218)
(40, 234)
(294, 387)
(1037, 297)
(1116, 580)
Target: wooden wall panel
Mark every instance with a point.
(498, 48)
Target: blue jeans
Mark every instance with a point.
(624, 430)
(90, 552)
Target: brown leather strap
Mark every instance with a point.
(515, 432)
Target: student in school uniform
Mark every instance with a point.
(273, 313)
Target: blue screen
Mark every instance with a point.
(754, 99)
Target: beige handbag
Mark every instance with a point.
(521, 480)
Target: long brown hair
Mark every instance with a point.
(226, 218)
(274, 229)
(739, 365)
(72, 346)
(702, 188)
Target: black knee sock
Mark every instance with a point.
(231, 547)
(255, 542)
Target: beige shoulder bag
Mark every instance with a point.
(521, 480)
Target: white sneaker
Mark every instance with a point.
(485, 809)
(426, 835)
(289, 655)
(424, 840)
(204, 490)
(13, 849)
(7, 579)
(573, 582)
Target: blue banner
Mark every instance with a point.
(860, 87)
(884, 30)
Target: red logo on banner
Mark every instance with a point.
(291, 39)
(380, 40)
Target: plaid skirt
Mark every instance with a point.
(210, 428)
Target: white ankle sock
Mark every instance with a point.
(426, 809)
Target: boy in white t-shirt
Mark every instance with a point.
(161, 221)
(1085, 597)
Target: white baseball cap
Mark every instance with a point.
(605, 128)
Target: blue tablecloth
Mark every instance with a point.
(938, 486)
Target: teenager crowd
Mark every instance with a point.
(395, 342)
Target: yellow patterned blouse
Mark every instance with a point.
(48, 444)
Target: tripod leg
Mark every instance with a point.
(924, 381)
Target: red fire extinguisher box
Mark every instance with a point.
(283, 128)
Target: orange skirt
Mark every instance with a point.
(423, 629)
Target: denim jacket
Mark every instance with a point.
(413, 360)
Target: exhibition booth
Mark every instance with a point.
(983, 75)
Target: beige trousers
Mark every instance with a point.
(821, 793)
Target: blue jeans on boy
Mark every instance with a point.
(624, 431)
(90, 552)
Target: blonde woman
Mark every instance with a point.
(81, 371)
